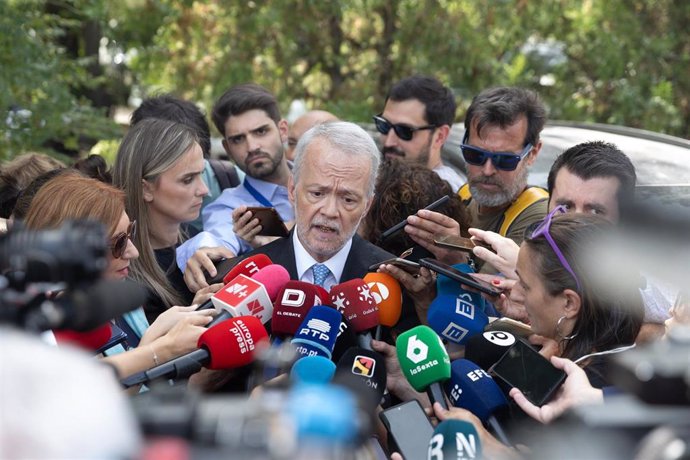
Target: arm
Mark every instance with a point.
(421, 288)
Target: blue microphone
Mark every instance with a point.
(471, 388)
(323, 413)
(454, 439)
(317, 370)
(456, 318)
(318, 332)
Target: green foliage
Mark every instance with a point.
(38, 81)
(617, 61)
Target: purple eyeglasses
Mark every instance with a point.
(543, 230)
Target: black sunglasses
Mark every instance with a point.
(505, 161)
(404, 132)
(119, 242)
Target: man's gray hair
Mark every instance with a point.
(348, 138)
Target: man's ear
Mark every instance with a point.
(147, 190)
(441, 136)
(532, 157)
(291, 189)
(283, 129)
(573, 303)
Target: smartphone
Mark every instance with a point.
(410, 267)
(409, 429)
(459, 243)
(400, 225)
(516, 328)
(463, 278)
(524, 368)
(270, 221)
(223, 266)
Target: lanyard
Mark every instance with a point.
(255, 193)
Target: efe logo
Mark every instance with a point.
(364, 366)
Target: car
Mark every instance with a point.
(659, 159)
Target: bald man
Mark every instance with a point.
(302, 125)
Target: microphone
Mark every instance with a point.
(456, 439)
(244, 296)
(487, 348)
(354, 300)
(317, 370)
(247, 267)
(388, 296)
(347, 338)
(424, 361)
(456, 318)
(292, 303)
(227, 345)
(317, 334)
(366, 369)
(91, 340)
(471, 388)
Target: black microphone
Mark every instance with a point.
(487, 348)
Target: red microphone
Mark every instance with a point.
(91, 340)
(248, 267)
(245, 296)
(354, 300)
(230, 344)
(292, 304)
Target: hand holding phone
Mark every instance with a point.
(270, 221)
(524, 368)
(463, 278)
(410, 267)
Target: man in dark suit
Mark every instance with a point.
(331, 189)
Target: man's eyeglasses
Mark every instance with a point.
(404, 132)
(118, 243)
(505, 161)
(543, 230)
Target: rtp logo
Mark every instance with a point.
(417, 351)
(364, 366)
(454, 333)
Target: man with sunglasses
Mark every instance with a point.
(415, 123)
(501, 142)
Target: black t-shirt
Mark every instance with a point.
(166, 261)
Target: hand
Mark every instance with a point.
(245, 225)
(169, 318)
(576, 390)
(425, 224)
(201, 261)
(549, 347)
(511, 302)
(395, 380)
(492, 447)
(505, 257)
(421, 288)
(182, 338)
(203, 294)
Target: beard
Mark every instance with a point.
(265, 168)
(421, 159)
(506, 193)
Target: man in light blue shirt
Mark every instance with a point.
(248, 118)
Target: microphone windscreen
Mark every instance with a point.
(388, 296)
(423, 358)
(367, 369)
(487, 348)
(354, 300)
(232, 343)
(445, 285)
(86, 310)
(273, 277)
(90, 340)
(248, 267)
(456, 318)
(456, 439)
(347, 338)
(318, 332)
(312, 370)
(325, 413)
(471, 388)
(293, 302)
